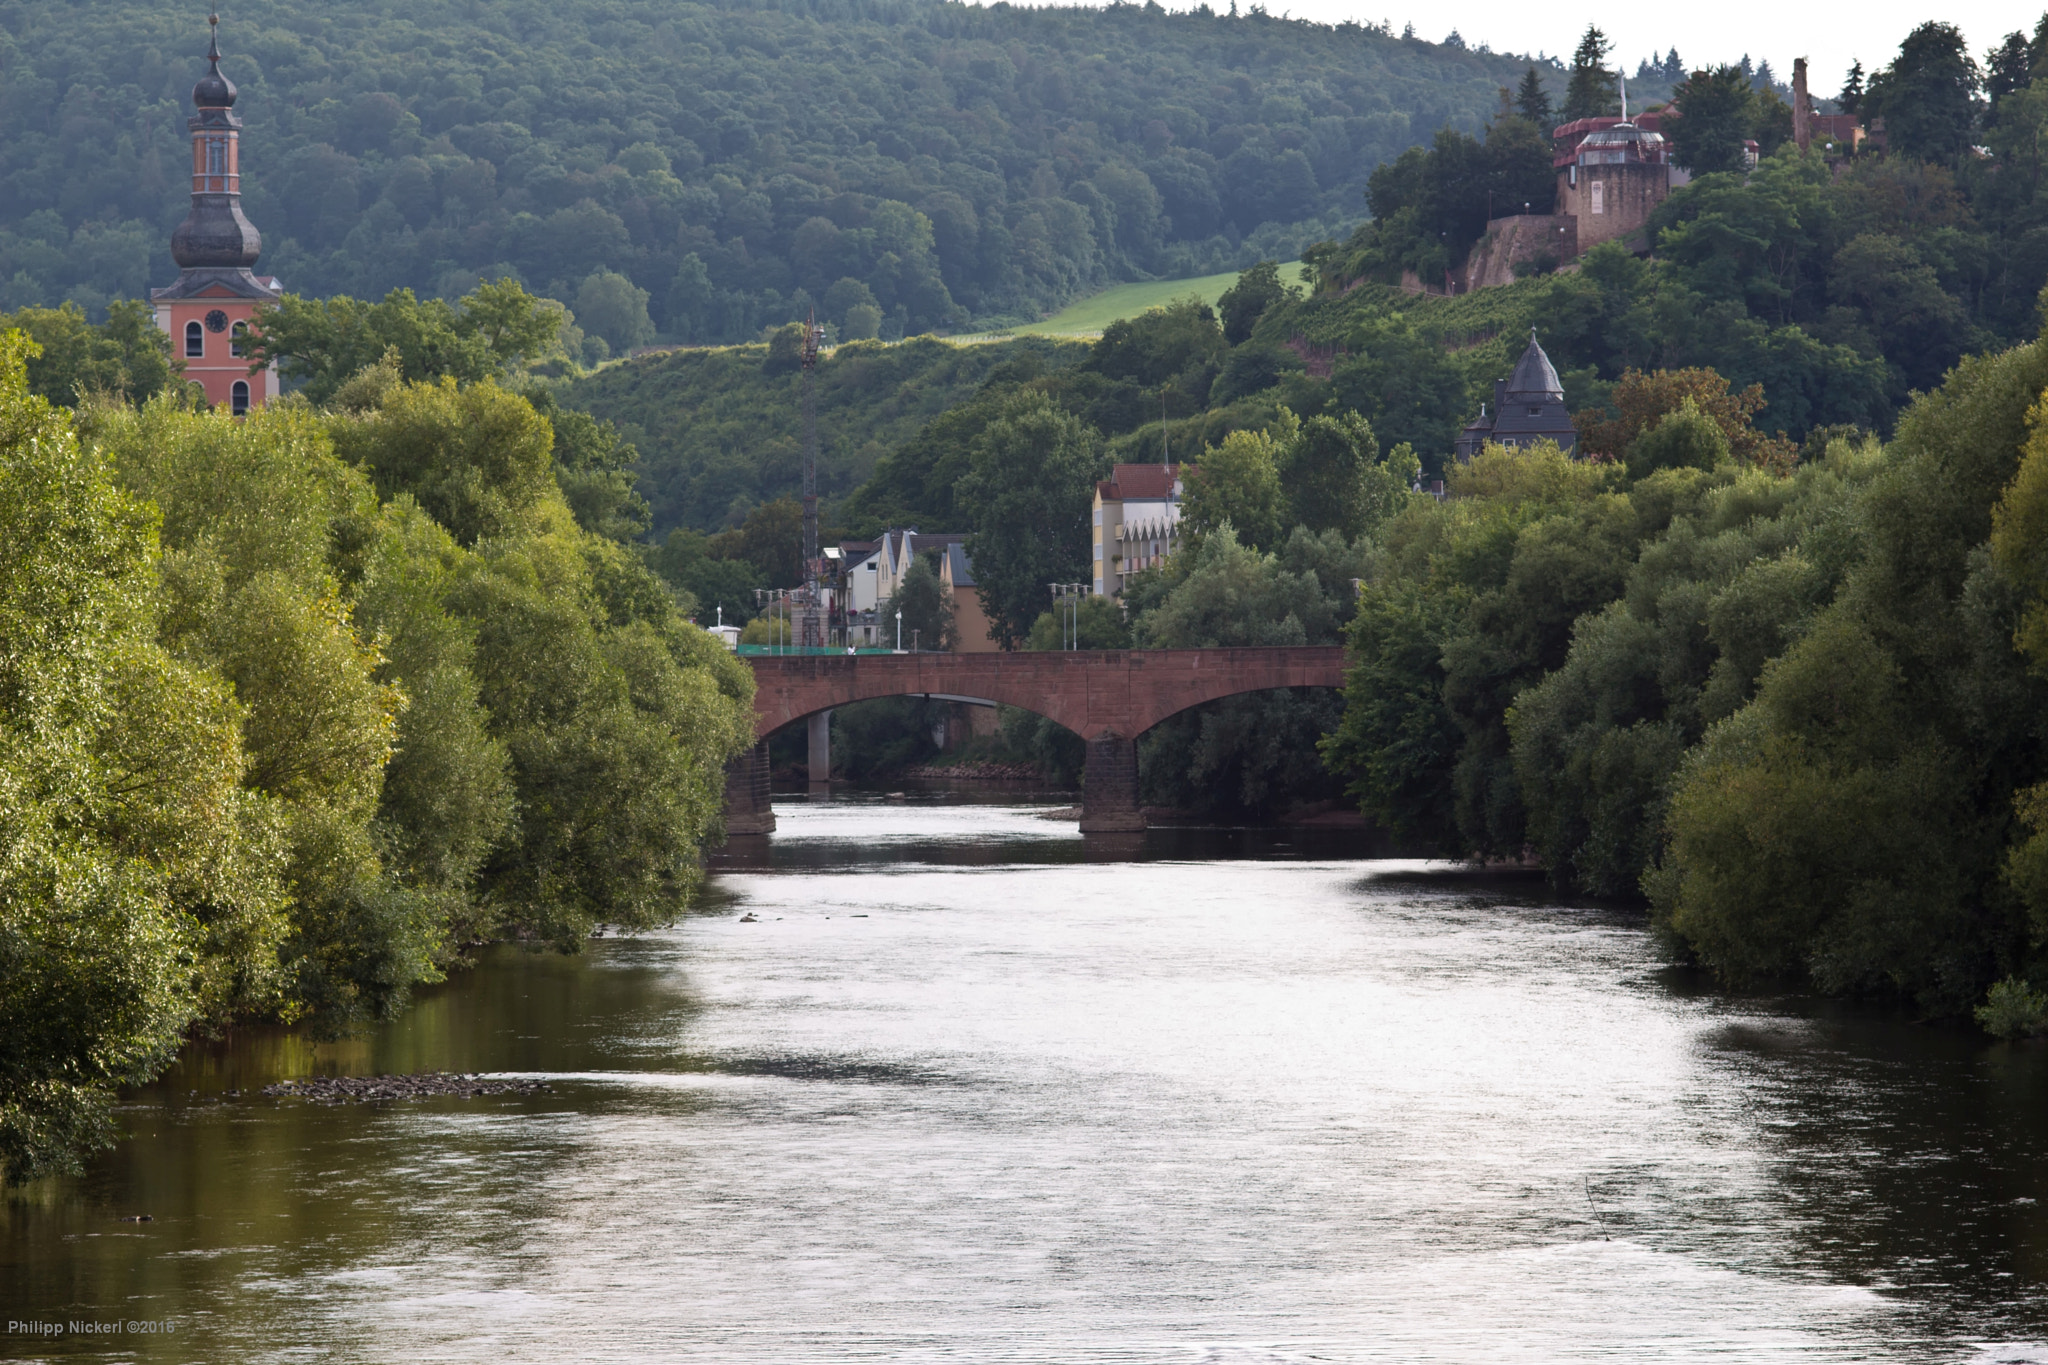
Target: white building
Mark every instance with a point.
(1137, 522)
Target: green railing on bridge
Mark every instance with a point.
(778, 651)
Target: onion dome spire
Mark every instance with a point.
(214, 90)
(215, 234)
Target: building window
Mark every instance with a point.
(216, 156)
(195, 340)
(1599, 188)
(238, 340)
(238, 397)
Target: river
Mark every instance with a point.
(971, 1088)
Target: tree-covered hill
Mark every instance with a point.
(907, 164)
(720, 429)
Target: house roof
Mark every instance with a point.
(1534, 374)
(1128, 481)
(959, 569)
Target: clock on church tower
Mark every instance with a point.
(209, 310)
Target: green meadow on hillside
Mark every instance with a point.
(1087, 317)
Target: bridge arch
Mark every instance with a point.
(1108, 697)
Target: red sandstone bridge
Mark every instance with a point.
(1107, 697)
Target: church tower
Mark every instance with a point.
(208, 311)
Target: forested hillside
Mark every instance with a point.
(702, 170)
(720, 431)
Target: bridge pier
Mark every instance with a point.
(1109, 786)
(747, 807)
(820, 725)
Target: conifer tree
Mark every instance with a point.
(1532, 101)
(1852, 89)
(1592, 90)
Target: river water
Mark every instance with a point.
(972, 1088)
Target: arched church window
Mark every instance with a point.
(238, 397)
(238, 340)
(195, 340)
(216, 156)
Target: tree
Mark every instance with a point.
(611, 306)
(321, 344)
(1334, 479)
(1532, 101)
(480, 460)
(1087, 622)
(1927, 96)
(1851, 98)
(717, 591)
(1852, 823)
(2009, 71)
(1592, 89)
(594, 469)
(127, 357)
(137, 894)
(1684, 439)
(1245, 302)
(1640, 402)
(771, 540)
(1237, 485)
(927, 610)
(1027, 494)
(1715, 114)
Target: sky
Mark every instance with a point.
(1828, 36)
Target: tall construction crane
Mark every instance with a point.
(814, 624)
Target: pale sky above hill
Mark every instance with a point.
(1829, 37)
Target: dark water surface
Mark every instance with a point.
(974, 1089)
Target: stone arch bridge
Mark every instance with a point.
(1108, 697)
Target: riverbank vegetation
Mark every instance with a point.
(296, 708)
(1803, 711)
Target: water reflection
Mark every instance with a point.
(964, 1090)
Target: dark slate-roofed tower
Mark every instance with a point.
(215, 233)
(211, 308)
(1528, 406)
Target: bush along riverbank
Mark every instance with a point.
(293, 707)
(1805, 712)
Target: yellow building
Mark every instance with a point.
(1136, 522)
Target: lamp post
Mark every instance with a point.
(899, 630)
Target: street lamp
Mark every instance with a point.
(899, 630)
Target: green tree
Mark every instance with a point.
(1027, 493)
(1532, 101)
(1592, 89)
(1237, 484)
(595, 470)
(1245, 302)
(127, 357)
(927, 610)
(770, 540)
(479, 459)
(1852, 823)
(1088, 622)
(1927, 96)
(320, 344)
(1685, 439)
(138, 891)
(1334, 478)
(611, 306)
(1716, 113)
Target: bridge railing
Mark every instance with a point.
(789, 651)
